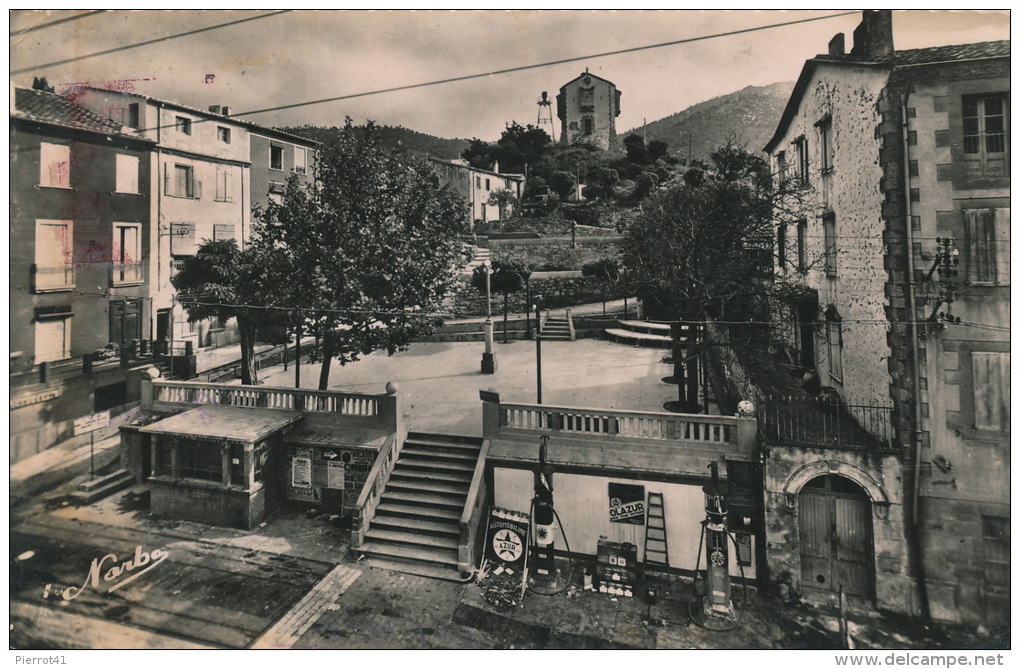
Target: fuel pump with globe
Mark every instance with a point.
(714, 609)
(544, 573)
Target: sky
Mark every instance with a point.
(307, 55)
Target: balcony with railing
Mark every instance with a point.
(357, 409)
(827, 421)
(616, 439)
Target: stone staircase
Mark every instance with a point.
(480, 255)
(641, 333)
(416, 527)
(558, 329)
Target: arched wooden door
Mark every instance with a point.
(836, 545)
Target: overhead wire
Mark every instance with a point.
(149, 42)
(447, 80)
(66, 19)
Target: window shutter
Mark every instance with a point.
(228, 189)
(1001, 246)
(198, 188)
(991, 390)
(166, 178)
(980, 246)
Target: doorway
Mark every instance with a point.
(836, 546)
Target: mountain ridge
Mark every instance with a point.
(748, 116)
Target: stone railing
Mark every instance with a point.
(730, 435)
(365, 410)
(472, 521)
(375, 485)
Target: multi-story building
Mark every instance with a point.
(587, 107)
(477, 186)
(81, 266)
(211, 170)
(902, 249)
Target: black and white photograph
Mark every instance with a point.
(497, 330)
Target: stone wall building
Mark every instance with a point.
(902, 249)
(587, 107)
(476, 186)
(80, 268)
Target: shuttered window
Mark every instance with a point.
(54, 255)
(986, 136)
(988, 246)
(829, 230)
(224, 184)
(127, 253)
(54, 165)
(127, 173)
(991, 391)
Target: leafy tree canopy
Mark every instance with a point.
(368, 251)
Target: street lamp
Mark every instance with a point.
(488, 358)
(538, 344)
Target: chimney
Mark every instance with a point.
(837, 45)
(225, 110)
(873, 38)
(495, 168)
(215, 109)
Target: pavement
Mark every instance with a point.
(293, 582)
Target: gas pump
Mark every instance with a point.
(544, 572)
(714, 608)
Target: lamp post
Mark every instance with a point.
(538, 345)
(488, 358)
(527, 305)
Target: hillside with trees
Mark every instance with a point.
(389, 137)
(746, 118)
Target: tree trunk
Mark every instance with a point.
(249, 375)
(678, 365)
(327, 358)
(505, 317)
(603, 299)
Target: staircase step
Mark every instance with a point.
(646, 327)
(379, 549)
(420, 485)
(418, 475)
(444, 438)
(416, 452)
(638, 338)
(426, 465)
(427, 499)
(442, 446)
(417, 569)
(415, 525)
(414, 512)
(412, 539)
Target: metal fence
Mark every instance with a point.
(827, 421)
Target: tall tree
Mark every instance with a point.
(521, 145)
(703, 247)
(222, 281)
(502, 198)
(563, 183)
(372, 245)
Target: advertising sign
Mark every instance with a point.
(301, 472)
(506, 540)
(335, 475)
(626, 503)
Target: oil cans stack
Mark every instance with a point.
(616, 568)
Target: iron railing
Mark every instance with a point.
(827, 421)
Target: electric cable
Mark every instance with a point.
(149, 42)
(40, 26)
(561, 61)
